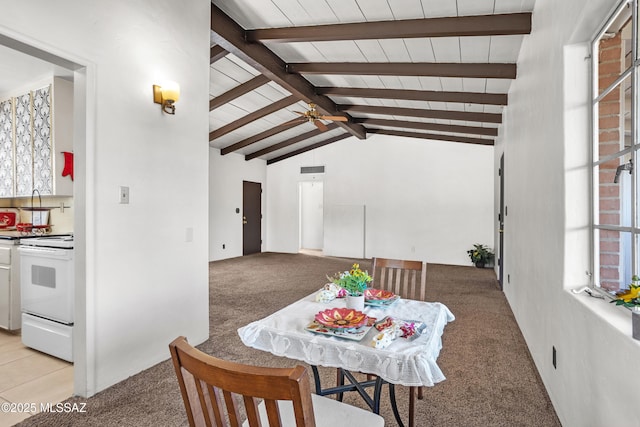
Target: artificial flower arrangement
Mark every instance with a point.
(629, 297)
(353, 281)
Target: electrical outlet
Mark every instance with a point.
(124, 195)
(554, 357)
(508, 278)
(224, 246)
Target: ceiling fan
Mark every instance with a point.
(313, 116)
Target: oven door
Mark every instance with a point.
(47, 283)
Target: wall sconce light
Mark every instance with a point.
(167, 95)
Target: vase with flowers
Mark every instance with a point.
(354, 282)
(630, 298)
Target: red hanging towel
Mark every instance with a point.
(68, 164)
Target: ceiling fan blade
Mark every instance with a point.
(301, 113)
(334, 118)
(320, 125)
(291, 122)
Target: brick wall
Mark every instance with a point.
(610, 141)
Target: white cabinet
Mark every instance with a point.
(7, 165)
(36, 128)
(23, 146)
(10, 316)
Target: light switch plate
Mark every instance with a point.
(124, 195)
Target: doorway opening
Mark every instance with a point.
(311, 217)
(28, 65)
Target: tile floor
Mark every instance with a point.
(28, 376)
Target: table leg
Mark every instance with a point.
(316, 380)
(377, 393)
(358, 386)
(355, 385)
(394, 405)
(339, 382)
(412, 405)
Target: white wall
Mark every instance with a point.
(311, 215)
(425, 200)
(225, 186)
(144, 275)
(546, 145)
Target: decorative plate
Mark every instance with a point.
(378, 294)
(355, 334)
(379, 297)
(341, 318)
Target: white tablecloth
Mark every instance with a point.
(409, 363)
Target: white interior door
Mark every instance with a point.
(311, 214)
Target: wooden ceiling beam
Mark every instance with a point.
(434, 69)
(417, 95)
(265, 111)
(466, 116)
(217, 52)
(433, 136)
(308, 148)
(259, 137)
(289, 142)
(238, 91)
(477, 130)
(232, 37)
(459, 26)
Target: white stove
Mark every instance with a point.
(61, 241)
(47, 294)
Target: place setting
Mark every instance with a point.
(342, 322)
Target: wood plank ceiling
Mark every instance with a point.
(430, 69)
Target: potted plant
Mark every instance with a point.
(354, 282)
(630, 298)
(480, 255)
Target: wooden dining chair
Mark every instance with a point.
(407, 279)
(215, 390)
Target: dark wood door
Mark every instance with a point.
(251, 217)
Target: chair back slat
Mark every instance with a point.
(382, 276)
(217, 407)
(203, 398)
(212, 389)
(397, 286)
(251, 406)
(402, 277)
(274, 414)
(232, 409)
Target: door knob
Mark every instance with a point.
(244, 220)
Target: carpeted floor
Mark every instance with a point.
(491, 379)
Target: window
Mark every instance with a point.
(616, 195)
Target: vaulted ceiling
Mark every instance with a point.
(429, 69)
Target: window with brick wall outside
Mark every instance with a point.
(616, 195)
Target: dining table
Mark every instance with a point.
(291, 332)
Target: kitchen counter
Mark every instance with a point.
(11, 235)
(16, 235)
